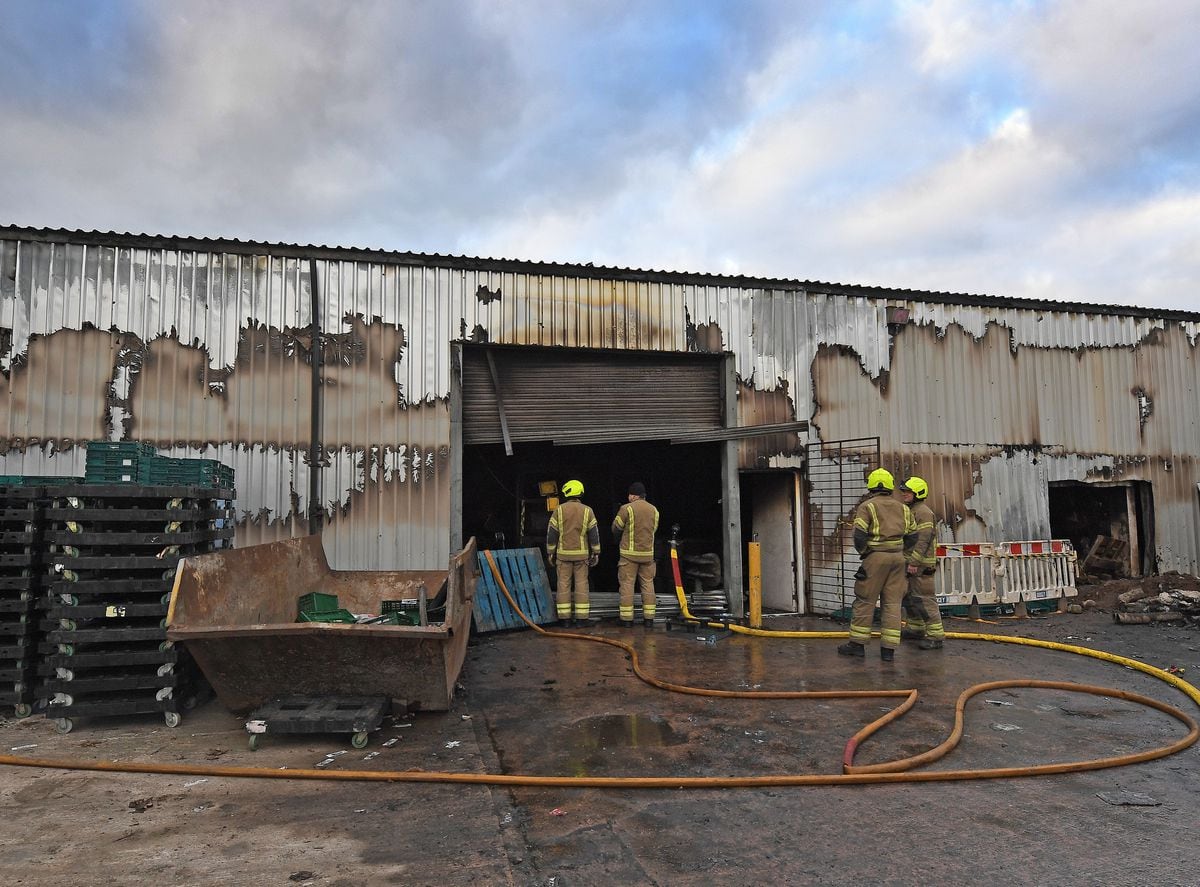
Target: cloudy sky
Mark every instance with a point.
(1040, 149)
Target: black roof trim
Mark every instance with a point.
(469, 263)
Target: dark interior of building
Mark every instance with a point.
(1083, 512)
(504, 505)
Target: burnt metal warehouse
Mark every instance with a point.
(400, 403)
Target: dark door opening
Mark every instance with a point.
(1087, 512)
(506, 498)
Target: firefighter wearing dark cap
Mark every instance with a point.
(924, 622)
(573, 543)
(884, 530)
(634, 528)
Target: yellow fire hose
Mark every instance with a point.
(887, 772)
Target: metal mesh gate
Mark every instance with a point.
(836, 480)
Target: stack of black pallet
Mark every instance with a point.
(20, 586)
(113, 554)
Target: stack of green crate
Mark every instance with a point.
(166, 471)
(117, 462)
(128, 462)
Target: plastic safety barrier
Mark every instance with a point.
(1005, 573)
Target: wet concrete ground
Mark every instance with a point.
(532, 705)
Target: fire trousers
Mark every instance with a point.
(629, 572)
(572, 577)
(885, 580)
(921, 606)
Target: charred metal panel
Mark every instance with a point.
(385, 415)
(756, 407)
(989, 423)
(206, 349)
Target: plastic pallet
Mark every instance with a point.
(109, 683)
(104, 611)
(138, 585)
(132, 537)
(106, 635)
(89, 659)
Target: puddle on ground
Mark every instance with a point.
(629, 731)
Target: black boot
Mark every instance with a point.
(930, 644)
(649, 623)
(625, 623)
(911, 634)
(887, 654)
(852, 648)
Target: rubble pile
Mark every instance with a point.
(1157, 602)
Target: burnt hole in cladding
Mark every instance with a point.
(487, 296)
(702, 338)
(479, 335)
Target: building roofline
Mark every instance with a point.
(566, 269)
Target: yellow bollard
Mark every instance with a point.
(755, 570)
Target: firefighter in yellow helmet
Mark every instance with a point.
(883, 530)
(573, 543)
(634, 528)
(920, 604)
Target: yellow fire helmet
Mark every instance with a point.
(917, 487)
(572, 488)
(880, 478)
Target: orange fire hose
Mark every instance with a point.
(888, 772)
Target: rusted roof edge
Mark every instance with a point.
(562, 269)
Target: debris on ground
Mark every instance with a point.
(1160, 602)
(1169, 597)
(1128, 799)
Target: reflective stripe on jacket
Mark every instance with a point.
(886, 521)
(634, 527)
(924, 552)
(573, 534)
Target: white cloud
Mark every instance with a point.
(1019, 149)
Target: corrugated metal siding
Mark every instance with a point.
(550, 394)
(385, 423)
(207, 353)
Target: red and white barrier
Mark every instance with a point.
(990, 573)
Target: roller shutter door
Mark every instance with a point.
(581, 397)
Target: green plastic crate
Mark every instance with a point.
(343, 616)
(316, 602)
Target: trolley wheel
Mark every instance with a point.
(63, 725)
(165, 646)
(68, 624)
(360, 739)
(23, 710)
(172, 718)
(253, 743)
(66, 649)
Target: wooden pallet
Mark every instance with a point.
(524, 574)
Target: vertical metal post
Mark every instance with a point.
(731, 500)
(456, 449)
(316, 510)
(754, 561)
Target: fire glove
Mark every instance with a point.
(861, 574)
(912, 569)
(593, 560)
(553, 561)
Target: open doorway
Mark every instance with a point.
(1112, 521)
(507, 500)
(769, 503)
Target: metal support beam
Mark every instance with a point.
(508, 449)
(316, 509)
(731, 499)
(456, 450)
